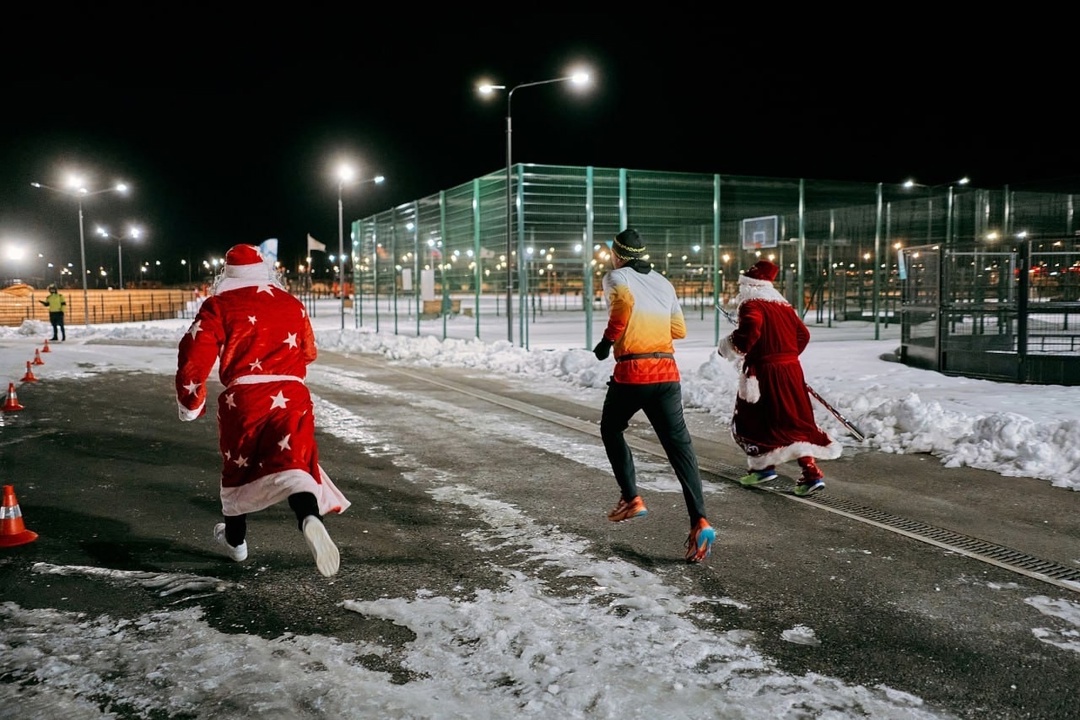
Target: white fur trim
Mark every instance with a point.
(256, 379)
(272, 489)
(746, 280)
(749, 388)
(795, 451)
(189, 415)
(252, 270)
(225, 283)
(758, 290)
(727, 350)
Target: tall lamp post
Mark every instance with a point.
(345, 177)
(133, 234)
(577, 78)
(78, 191)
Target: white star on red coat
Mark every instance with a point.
(257, 365)
(266, 289)
(291, 340)
(195, 328)
(251, 319)
(230, 400)
(279, 400)
(240, 461)
(283, 443)
(192, 387)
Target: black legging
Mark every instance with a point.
(662, 405)
(303, 504)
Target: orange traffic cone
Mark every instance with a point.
(46, 348)
(12, 530)
(29, 376)
(12, 399)
(37, 357)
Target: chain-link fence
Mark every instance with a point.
(838, 243)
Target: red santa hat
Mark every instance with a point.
(763, 270)
(243, 261)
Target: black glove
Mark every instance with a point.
(602, 349)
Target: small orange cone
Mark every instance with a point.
(29, 376)
(46, 348)
(12, 399)
(37, 357)
(12, 530)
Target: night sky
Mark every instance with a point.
(228, 129)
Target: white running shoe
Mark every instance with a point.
(322, 547)
(238, 553)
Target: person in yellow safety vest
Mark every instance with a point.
(56, 303)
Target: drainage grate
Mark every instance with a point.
(1004, 557)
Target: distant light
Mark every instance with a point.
(346, 173)
(580, 78)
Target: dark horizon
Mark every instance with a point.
(230, 141)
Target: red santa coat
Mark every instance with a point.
(261, 339)
(773, 420)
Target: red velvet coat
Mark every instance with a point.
(260, 339)
(774, 420)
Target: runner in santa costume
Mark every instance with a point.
(773, 421)
(262, 338)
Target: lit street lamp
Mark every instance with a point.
(930, 203)
(133, 234)
(78, 192)
(577, 78)
(345, 176)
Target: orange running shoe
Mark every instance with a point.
(699, 544)
(628, 510)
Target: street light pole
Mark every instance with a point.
(79, 193)
(82, 258)
(578, 78)
(341, 242)
(509, 226)
(133, 233)
(345, 175)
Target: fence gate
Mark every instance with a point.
(1010, 314)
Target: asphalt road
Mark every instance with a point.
(108, 477)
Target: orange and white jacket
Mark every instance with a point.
(644, 318)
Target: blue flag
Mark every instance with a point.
(268, 249)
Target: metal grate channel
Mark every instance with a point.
(1051, 572)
